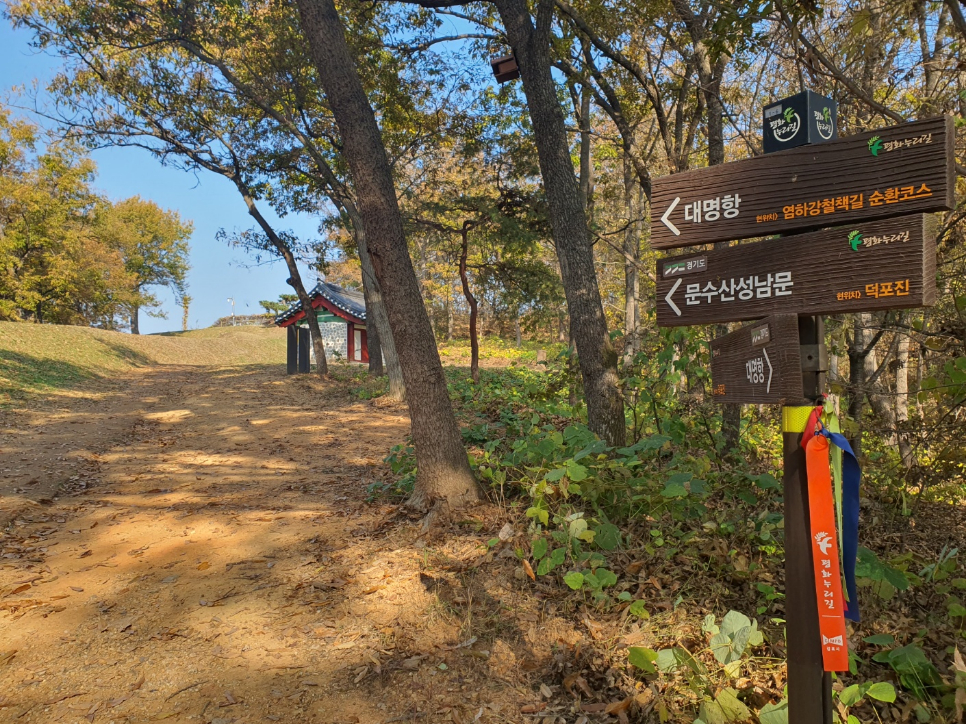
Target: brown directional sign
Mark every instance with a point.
(758, 364)
(877, 265)
(879, 174)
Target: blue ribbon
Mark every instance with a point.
(850, 519)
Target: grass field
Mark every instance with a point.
(39, 359)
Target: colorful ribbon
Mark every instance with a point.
(846, 474)
(825, 555)
(851, 475)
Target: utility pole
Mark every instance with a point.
(232, 300)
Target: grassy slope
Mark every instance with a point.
(35, 359)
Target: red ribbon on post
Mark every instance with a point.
(825, 555)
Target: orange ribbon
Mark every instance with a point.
(825, 555)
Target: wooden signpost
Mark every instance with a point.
(894, 171)
(759, 364)
(870, 261)
(863, 268)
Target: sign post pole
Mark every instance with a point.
(809, 686)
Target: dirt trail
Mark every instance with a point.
(56, 442)
(214, 560)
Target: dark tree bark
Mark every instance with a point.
(135, 313)
(471, 301)
(380, 319)
(586, 159)
(857, 354)
(372, 336)
(588, 326)
(444, 473)
(633, 204)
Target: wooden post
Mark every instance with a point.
(292, 349)
(304, 336)
(809, 686)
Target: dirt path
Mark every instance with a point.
(214, 560)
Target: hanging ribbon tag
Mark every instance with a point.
(851, 475)
(825, 556)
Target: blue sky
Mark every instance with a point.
(209, 201)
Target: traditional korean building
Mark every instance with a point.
(342, 320)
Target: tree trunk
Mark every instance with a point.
(444, 472)
(632, 257)
(857, 355)
(731, 412)
(372, 335)
(135, 313)
(586, 159)
(380, 318)
(902, 399)
(449, 317)
(471, 301)
(588, 326)
(518, 330)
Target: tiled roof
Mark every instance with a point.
(350, 302)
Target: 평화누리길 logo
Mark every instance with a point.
(785, 127)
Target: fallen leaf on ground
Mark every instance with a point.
(528, 570)
(203, 566)
(617, 706)
(412, 662)
(532, 708)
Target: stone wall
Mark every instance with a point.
(334, 338)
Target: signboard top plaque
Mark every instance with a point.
(803, 118)
(894, 171)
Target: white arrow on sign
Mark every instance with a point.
(668, 224)
(671, 294)
(765, 352)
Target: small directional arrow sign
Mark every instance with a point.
(758, 364)
(669, 298)
(667, 215)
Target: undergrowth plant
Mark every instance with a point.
(674, 499)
